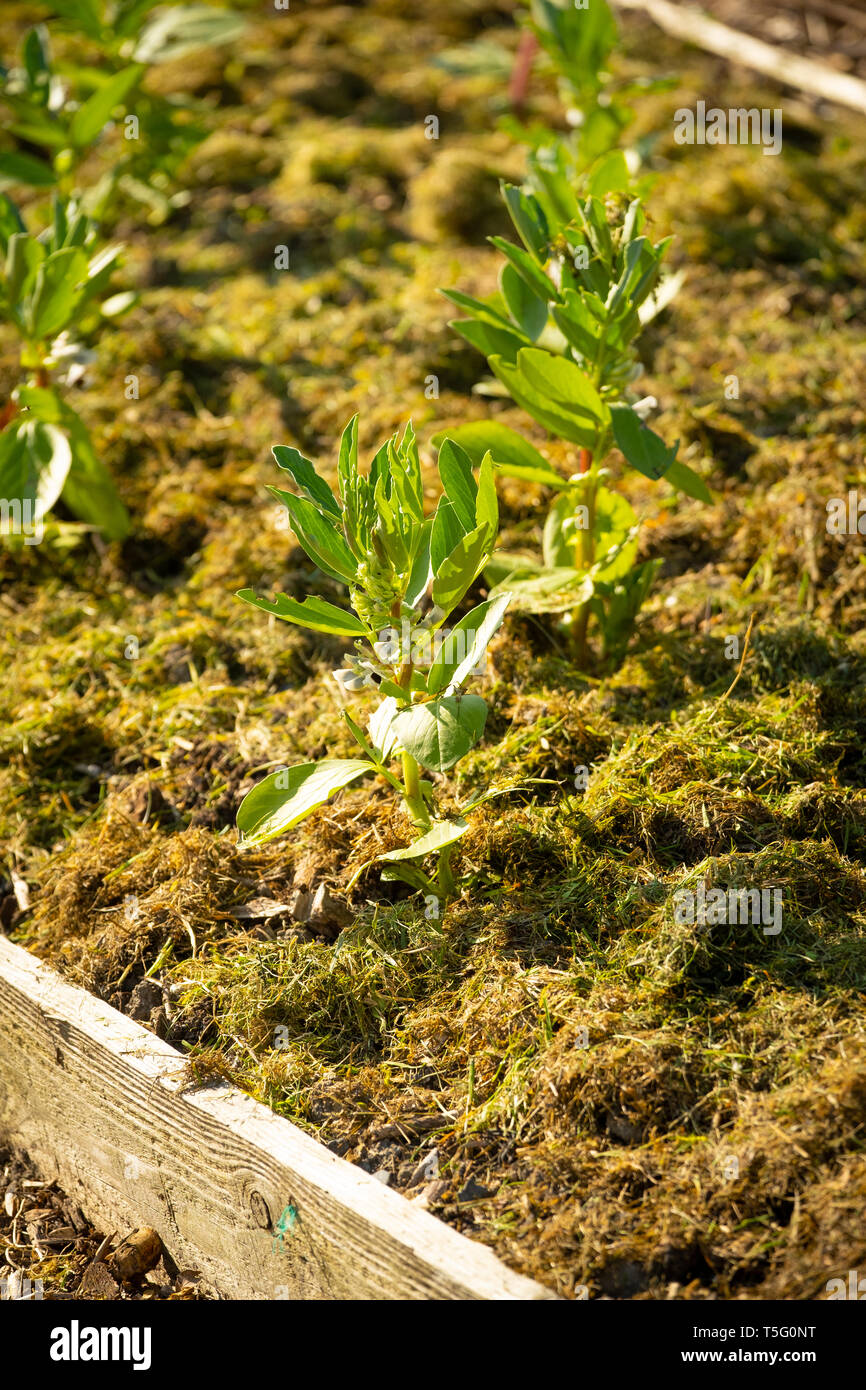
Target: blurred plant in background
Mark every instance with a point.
(53, 291)
(60, 110)
(54, 283)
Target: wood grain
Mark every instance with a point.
(687, 23)
(104, 1106)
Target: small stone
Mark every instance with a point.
(426, 1170)
(328, 913)
(299, 905)
(383, 1176)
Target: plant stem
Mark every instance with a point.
(584, 556)
(411, 779)
(412, 791)
(447, 886)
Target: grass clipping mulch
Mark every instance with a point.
(619, 1103)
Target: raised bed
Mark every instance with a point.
(259, 1208)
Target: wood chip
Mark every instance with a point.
(137, 1254)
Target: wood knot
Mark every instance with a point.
(259, 1209)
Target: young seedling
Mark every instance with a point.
(406, 574)
(52, 292)
(61, 111)
(561, 337)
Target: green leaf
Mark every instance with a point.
(10, 221)
(537, 590)
(609, 174)
(89, 490)
(465, 644)
(289, 795)
(486, 501)
(379, 727)
(184, 28)
(455, 470)
(686, 480)
(34, 461)
(319, 537)
(528, 217)
(25, 168)
(528, 311)
(90, 118)
(552, 416)
(304, 473)
(440, 834)
(615, 536)
(504, 443)
(421, 571)
(614, 520)
(370, 751)
(56, 291)
(479, 309)
(562, 381)
(84, 14)
(642, 447)
(313, 613)
(37, 57)
(24, 256)
(526, 267)
(439, 733)
(490, 339)
(445, 535)
(461, 568)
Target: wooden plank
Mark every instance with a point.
(103, 1106)
(817, 79)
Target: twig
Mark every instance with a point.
(816, 78)
(742, 661)
(104, 1246)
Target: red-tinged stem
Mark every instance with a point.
(518, 86)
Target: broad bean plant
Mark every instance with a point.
(561, 337)
(59, 111)
(54, 294)
(406, 574)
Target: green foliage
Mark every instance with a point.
(61, 111)
(561, 335)
(405, 574)
(53, 292)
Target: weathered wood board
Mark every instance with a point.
(258, 1207)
